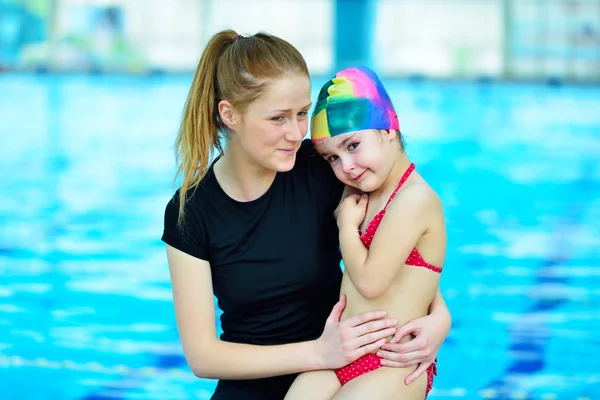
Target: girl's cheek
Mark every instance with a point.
(339, 173)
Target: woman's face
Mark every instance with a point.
(269, 133)
(361, 159)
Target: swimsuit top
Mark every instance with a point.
(414, 257)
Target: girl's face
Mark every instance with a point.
(271, 130)
(362, 159)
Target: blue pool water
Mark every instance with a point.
(86, 168)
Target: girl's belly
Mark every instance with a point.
(409, 296)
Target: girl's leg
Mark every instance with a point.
(314, 385)
(384, 383)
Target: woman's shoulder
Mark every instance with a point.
(173, 216)
(308, 156)
(196, 201)
(185, 230)
(196, 193)
(306, 152)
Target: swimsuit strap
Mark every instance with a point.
(369, 233)
(410, 169)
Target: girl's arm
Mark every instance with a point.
(348, 190)
(373, 271)
(209, 357)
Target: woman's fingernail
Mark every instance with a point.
(379, 354)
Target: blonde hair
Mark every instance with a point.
(232, 68)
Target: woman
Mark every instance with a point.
(256, 229)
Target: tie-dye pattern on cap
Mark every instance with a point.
(353, 100)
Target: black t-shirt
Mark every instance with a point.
(274, 260)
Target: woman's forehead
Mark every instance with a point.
(287, 92)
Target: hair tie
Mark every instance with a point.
(237, 38)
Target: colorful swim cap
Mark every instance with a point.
(353, 100)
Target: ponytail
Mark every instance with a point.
(198, 133)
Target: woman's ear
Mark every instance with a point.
(228, 114)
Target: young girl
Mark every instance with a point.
(393, 240)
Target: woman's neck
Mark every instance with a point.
(241, 179)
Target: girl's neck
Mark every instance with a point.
(241, 179)
(401, 164)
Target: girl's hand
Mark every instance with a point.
(429, 333)
(352, 210)
(344, 342)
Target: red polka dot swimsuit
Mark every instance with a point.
(414, 258)
(371, 362)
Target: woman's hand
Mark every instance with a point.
(429, 333)
(344, 342)
(352, 210)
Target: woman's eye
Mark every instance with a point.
(332, 158)
(352, 146)
(303, 114)
(278, 119)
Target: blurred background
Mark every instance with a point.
(499, 102)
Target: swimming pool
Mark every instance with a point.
(86, 168)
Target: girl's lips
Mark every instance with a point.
(359, 176)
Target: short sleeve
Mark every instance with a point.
(187, 236)
(321, 172)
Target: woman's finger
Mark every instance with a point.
(374, 326)
(370, 348)
(362, 319)
(404, 330)
(411, 358)
(394, 364)
(337, 310)
(373, 337)
(416, 344)
(418, 372)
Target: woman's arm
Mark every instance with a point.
(209, 357)
(373, 271)
(438, 306)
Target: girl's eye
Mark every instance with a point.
(352, 146)
(278, 119)
(303, 114)
(332, 158)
